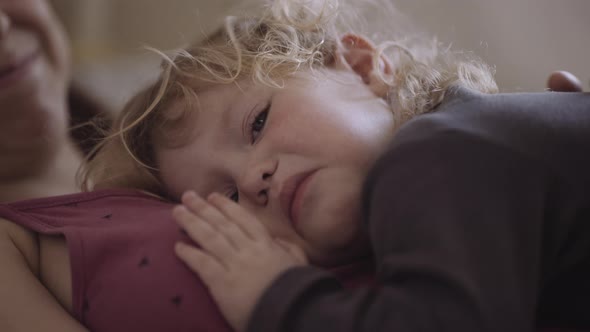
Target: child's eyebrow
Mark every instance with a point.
(236, 110)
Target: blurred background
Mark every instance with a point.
(524, 39)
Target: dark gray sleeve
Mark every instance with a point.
(456, 227)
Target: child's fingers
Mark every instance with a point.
(202, 208)
(206, 266)
(237, 214)
(204, 234)
(214, 217)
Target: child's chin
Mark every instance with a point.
(337, 244)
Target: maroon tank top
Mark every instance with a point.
(125, 275)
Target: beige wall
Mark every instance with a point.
(110, 28)
(524, 39)
(108, 39)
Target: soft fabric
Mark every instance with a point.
(479, 216)
(125, 275)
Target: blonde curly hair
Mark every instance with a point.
(283, 38)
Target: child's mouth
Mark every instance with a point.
(292, 194)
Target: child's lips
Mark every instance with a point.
(293, 193)
(299, 198)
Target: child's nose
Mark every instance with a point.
(256, 183)
(255, 188)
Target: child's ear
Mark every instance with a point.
(357, 54)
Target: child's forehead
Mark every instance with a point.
(218, 99)
(223, 95)
(243, 91)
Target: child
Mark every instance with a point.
(475, 214)
(286, 115)
(464, 212)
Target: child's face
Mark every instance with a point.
(294, 157)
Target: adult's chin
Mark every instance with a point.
(32, 138)
(39, 122)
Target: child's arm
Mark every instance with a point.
(25, 304)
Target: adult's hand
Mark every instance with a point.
(563, 81)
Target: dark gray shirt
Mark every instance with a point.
(479, 216)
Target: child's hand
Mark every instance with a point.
(238, 259)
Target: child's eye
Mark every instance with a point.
(235, 196)
(258, 123)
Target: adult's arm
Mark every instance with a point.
(25, 304)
